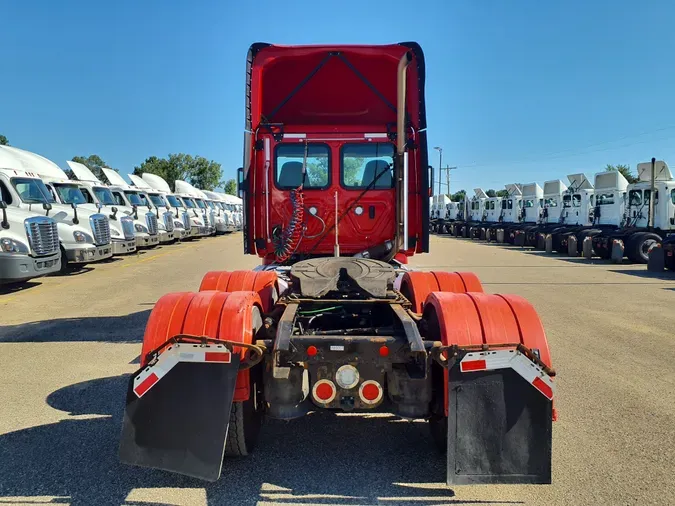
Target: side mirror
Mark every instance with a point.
(113, 216)
(76, 220)
(47, 207)
(431, 181)
(241, 182)
(3, 206)
(98, 206)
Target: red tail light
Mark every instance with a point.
(324, 391)
(370, 392)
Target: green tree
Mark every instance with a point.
(94, 163)
(502, 193)
(458, 196)
(491, 193)
(625, 172)
(3, 140)
(196, 170)
(231, 187)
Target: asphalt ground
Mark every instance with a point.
(69, 343)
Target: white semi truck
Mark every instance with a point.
(510, 215)
(577, 211)
(226, 225)
(92, 195)
(477, 213)
(198, 216)
(554, 191)
(84, 236)
(155, 202)
(533, 208)
(645, 223)
(29, 241)
(176, 205)
(128, 202)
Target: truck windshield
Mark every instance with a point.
(552, 202)
(210, 204)
(134, 198)
(189, 203)
(32, 191)
(200, 203)
(289, 161)
(567, 201)
(104, 196)
(529, 203)
(576, 200)
(70, 194)
(157, 200)
(174, 201)
(635, 198)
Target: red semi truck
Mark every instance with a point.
(336, 200)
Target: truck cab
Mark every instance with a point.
(225, 223)
(477, 213)
(182, 222)
(533, 210)
(84, 236)
(98, 196)
(197, 211)
(155, 201)
(577, 211)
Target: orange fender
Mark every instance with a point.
(469, 319)
(417, 285)
(265, 283)
(219, 315)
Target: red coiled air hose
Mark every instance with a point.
(292, 234)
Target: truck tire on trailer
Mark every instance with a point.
(638, 244)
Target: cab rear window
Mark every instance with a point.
(289, 161)
(367, 165)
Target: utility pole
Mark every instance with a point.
(650, 220)
(447, 176)
(440, 166)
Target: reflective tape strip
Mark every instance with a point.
(375, 136)
(174, 354)
(513, 359)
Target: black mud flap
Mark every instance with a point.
(499, 429)
(180, 424)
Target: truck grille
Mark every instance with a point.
(101, 228)
(186, 221)
(127, 227)
(151, 220)
(43, 235)
(168, 221)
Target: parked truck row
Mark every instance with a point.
(604, 217)
(52, 223)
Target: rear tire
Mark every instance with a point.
(637, 247)
(246, 418)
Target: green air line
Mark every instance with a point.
(316, 311)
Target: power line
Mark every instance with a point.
(580, 151)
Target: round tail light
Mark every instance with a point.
(370, 392)
(324, 391)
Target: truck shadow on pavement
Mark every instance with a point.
(322, 459)
(111, 329)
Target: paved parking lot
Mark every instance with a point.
(68, 344)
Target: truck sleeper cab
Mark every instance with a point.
(551, 215)
(224, 220)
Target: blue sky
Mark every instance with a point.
(517, 90)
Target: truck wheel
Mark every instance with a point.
(64, 262)
(637, 247)
(246, 419)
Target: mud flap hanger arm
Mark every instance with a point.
(254, 357)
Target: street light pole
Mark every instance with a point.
(440, 166)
